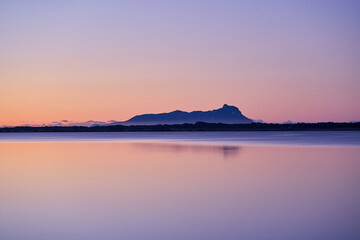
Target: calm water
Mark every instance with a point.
(170, 186)
(343, 138)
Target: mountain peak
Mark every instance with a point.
(225, 106)
(226, 114)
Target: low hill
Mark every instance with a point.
(226, 114)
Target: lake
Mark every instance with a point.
(180, 185)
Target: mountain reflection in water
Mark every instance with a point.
(224, 151)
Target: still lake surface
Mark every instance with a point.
(180, 185)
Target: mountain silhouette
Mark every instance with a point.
(226, 114)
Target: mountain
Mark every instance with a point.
(226, 114)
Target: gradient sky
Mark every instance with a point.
(104, 60)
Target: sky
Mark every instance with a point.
(110, 60)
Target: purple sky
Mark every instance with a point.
(103, 60)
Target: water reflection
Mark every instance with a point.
(224, 151)
(108, 190)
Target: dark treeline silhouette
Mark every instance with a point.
(199, 126)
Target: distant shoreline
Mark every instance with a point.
(197, 127)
